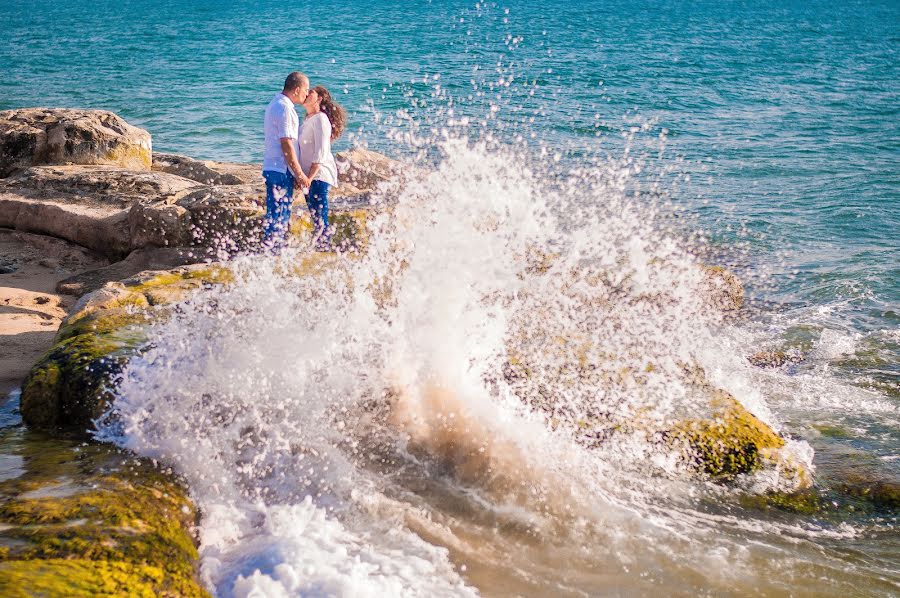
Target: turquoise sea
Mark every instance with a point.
(782, 118)
(770, 128)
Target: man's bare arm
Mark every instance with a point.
(290, 156)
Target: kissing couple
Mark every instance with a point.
(300, 156)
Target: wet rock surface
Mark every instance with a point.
(84, 519)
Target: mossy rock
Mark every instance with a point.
(77, 578)
(729, 442)
(348, 229)
(91, 520)
(883, 495)
(71, 386)
(805, 502)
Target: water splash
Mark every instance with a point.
(486, 380)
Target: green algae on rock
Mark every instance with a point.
(71, 385)
(731, 441)
(89, 519)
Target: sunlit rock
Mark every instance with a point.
(104, 199)
(70, 386)
(364, 169)
(92, 206)
(208, 172)
(90, 520)
(33, 136)
(139, 260)
(728, 442)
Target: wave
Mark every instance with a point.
(470, 406)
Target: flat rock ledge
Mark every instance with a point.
(36, 136)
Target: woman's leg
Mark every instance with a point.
(317, 203)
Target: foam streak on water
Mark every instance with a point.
(470, 405)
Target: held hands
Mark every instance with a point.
(300, 179)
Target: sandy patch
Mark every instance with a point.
(30, 308)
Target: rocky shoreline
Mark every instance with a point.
(100, 228)
(86, 519)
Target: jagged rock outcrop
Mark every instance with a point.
(35, 136)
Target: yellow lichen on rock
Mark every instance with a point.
(348, 229)
(729, 442)
(137, 157)
(90, 520)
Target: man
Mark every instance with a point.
(281, 163)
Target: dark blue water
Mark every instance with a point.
(781, 120)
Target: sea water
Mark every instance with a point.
(568, 168)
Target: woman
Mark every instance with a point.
(324, 123)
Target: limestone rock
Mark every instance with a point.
(91, 205)
(33, 136)
(159, 225)
(364, 170)
(139, 260)
(226, 217)
(209, 172)
(89, 199)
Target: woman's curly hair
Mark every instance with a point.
(336, 114)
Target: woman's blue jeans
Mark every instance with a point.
(317, 203)
(279, 195)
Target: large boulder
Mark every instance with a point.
(34, 136)
(92, 205)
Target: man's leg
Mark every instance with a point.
(276, 224)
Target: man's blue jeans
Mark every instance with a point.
(317, 203)
(279, 195)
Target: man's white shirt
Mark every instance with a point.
(281, 121)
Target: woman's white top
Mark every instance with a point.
(315, 147)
